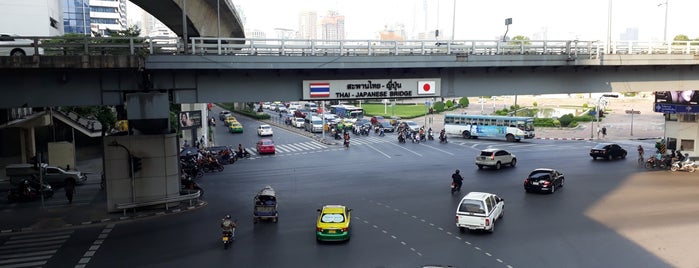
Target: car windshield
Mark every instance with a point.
(385, 124)
(267, 142)
(332, 218)
(299, 119)
(472, 206)
(265, 127)
(411, 123)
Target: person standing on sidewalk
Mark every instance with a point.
(70, 189)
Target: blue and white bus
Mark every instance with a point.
(510, 128)
(347, 111)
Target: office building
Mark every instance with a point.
(107, 15)
(333, 26)
(308, 28)
(31, 17)
(76, 16)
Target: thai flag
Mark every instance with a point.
(319, 90)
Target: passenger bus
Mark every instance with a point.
(347, 111)
(510, 128)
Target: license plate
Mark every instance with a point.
(331, 231)
(535, 183)
(225, 238)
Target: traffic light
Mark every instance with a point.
(135, 164)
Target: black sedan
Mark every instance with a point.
(543, 180)
(607, 151)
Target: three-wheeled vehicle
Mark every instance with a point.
(265, 205)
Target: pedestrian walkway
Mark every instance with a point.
(32, 250)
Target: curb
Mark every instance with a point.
(593, 139)
(116, 219)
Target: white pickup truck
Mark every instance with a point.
(479, 211)
(54, 176)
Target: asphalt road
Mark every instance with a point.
(403, 214)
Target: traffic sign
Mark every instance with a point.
(633, 112)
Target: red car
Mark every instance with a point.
(265, 146)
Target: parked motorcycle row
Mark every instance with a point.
(194, 163)
(673, 164)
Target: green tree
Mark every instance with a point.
(519, 39)
(463, 102)
(566, 119)
(449, 104)
(439, 107)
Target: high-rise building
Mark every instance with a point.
(76, 16)
(333, 26)
(31, 17)
(308, 21)
(108, 15)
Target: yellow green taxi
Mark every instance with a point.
(229, 120)
(235, 127)
(333, 223)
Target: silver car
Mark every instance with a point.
(12, 46)
(495, 158)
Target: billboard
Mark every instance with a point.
(371, 89)
(190, 119)
(686, 101)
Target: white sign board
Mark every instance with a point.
(371, 89)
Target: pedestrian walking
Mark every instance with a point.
(70, 189)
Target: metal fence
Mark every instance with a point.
(58, 46)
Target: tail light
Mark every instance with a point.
(526, 181)
(492, 156)
(318, 229)
(546, 183)
(487, 222)
(457, 219)
(344, 229)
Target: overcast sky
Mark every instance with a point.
(484, 20)
(561, 19)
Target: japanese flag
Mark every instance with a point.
(426, 88)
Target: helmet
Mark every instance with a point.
(228, 217)
(457, 171)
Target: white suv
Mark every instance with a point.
(11, 46)
(479, 211)
(495, 158)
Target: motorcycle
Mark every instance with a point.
(653, 162)
(189, 184)
(455, 188)
(442, 138)
(212, 166)
(228, 237)
(401, 138)
(430, 136)
(30, 193)
(346, 143)
(415, 137)
(683, 166)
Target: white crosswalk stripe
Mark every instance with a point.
(293, 147)
(31, 250)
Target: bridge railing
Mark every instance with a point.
(58, 46)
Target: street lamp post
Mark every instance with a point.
(665, 28)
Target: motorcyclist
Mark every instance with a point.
(421, 133)
(241, 152)
(381, 134)
(457, 181)
(429, 134)
(442, 135)
(346, 138)
(228, 226)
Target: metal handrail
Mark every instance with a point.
(311, 47)
(166, 201)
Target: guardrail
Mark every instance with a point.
(193, 194)
(59, 46)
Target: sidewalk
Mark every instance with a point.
(89, 204)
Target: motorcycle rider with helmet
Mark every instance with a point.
(457, 181)
(228, 226)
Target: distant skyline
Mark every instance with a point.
(484, 20)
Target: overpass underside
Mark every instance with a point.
(75, 87)
(201, 16)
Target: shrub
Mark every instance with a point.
(566, 119)
(535, 104)
(463, 102)
(439, 107)
(449, 104)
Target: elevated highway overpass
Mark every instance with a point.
(199, 16)
(237, 69)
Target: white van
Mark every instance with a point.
(311, 106)
(314, 124)
(479, 211)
